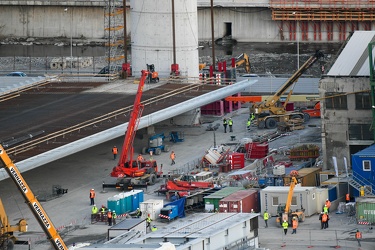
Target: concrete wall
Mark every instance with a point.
(335, 123)
(51, 21)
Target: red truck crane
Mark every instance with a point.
(128, 171)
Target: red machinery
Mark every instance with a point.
(127, 166)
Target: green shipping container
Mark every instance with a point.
(217, 196)
(365, 210)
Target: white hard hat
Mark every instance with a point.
(109, 210)
(327, 199)
(284, 220)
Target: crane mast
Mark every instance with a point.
(36, 208)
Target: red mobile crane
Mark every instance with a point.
(128, 171)
(37, 209)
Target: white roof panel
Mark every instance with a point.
(353, 60)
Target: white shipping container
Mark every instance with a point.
(151, 207)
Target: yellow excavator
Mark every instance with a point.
(284, 213)
(243, 60)
(269, 112)
(7, 238)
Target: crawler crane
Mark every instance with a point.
(36, 208)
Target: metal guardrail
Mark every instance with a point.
(361, 182)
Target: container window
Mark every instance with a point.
(366, 165)
(313, 196)
(275, 201)
(294, 201)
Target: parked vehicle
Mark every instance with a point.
(17, 73)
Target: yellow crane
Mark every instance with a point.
(33, 203)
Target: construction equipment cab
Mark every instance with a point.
(269, 112)
(152, 75)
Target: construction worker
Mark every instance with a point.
(252, 211)
(114, 217)
(94, 212)
(230, 123)
(285, 227)
(114, 152)
(252, 117)
(347, 198)
(321, 221)
(225, 124)
(140, 159)
(173, 157)
(325, 220)
(109, 217)
(148, 221)
(266, 215)
(294, 225)
(358, 236)
(248, 124)
(92, 197)
(138, 213)
(102, 212)
(328, 204)
(154, 228)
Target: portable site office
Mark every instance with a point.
(305, 197)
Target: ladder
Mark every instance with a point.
(249, 150)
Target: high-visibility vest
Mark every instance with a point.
(265, 216)
(92, 194)
(324, 218)
(225, 121)
(114, 215)
(347, 197)
(295, 224)
(94, 210)
(114, 150)
(230, 122)
(248, 123)
(173, 156)
(109, 215)
(325, 209)
(140, 158)
(358, 235)
(148, 219)
(285, 225)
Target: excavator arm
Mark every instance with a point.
(36, 208)
(243, 59)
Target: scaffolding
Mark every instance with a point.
(322, 17)
(114, 33)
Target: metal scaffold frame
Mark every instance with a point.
(321, 16)
(114, 33)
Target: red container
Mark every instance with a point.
(257, 150)
(240, 202)
(236, 160)
(224, 168)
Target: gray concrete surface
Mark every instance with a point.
(89, 168)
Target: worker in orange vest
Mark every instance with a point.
(92, 197)
(173, 157)
(325, 219)
(347, 198)
(294, 225)
(328, 204)
(140, 159)
(109, 217)
(358, 236)
(114, 152)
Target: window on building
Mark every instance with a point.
(362, 100)
(275, 201)
(366, 165)
(360, 132)
(294, 201)
(336, 101)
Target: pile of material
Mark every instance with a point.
(304, 152)
(291, 125)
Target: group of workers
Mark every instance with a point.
(229, 122)
(105, 215)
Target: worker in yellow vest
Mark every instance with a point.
(266, 216)
(285, 226)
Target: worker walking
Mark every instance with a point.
(230, 123)
(358, 236)
(173, 157)
(328, 204)
(294, 225)
(114, 152)
(109, 217)
(285, 227)
(266, 215)
(92, 197)
(94, 212)
(148, 221)
(225, 124)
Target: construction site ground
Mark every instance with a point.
(88, 169)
